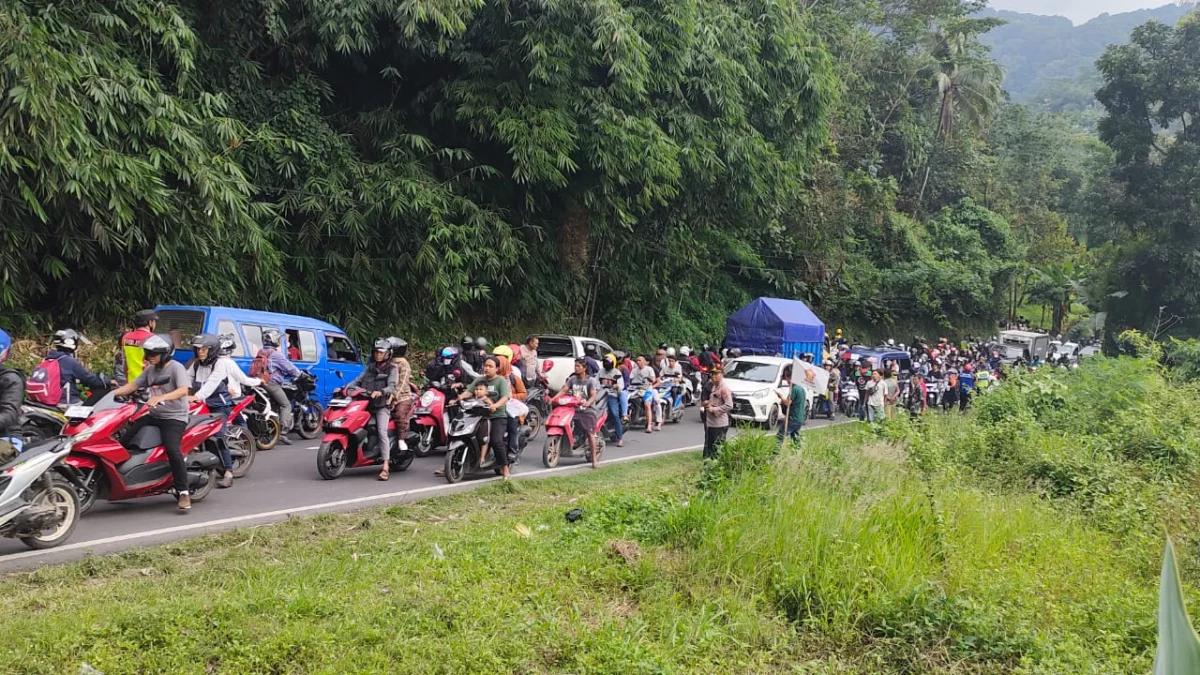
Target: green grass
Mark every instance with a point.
(842, 558)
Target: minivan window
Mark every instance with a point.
(308, 346)
(225, 327)
(550, 347)
(181, 324)
(340, 348)
(253, 338)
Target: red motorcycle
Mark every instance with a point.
(117, 459)
(432, 414)
(562, 425)
(350, 439)
(238, 438)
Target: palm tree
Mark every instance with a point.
(969, 84)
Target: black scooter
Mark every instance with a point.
(462, 456)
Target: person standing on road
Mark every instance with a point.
(516, 385)
(131, 359)
(966, 384)
(795, 405)
(716, 413)
(875, 398)
(169, 385)
(275, 369)
(529, 357)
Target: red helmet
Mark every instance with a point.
(970, 367)
(846, 356)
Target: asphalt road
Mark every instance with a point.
(284, 482)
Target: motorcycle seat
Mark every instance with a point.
(197, 420)
(32, 450)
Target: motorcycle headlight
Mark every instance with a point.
(83, 435)
(336, 424)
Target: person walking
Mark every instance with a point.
(794, 404)
(716, 413)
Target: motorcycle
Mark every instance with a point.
(637, 407)
(351, 441)
(848, 399)
(38, 502)
(261, 419)
(565, 437)
(238, 440)
(307, 412)
(672, 396)
(539, 408)
(462, 457)
(113, 458)
(432, 416)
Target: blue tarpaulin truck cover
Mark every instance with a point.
(775, 326)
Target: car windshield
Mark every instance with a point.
(752, 372)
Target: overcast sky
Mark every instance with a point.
(1076, 10)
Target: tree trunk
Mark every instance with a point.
(573, 232)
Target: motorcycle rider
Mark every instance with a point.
(130, 359)
(475, 356)
(591, 358)
(402, 400)
(12, 395)
(496, 429)
(613, 381)
(169, 385)
(278, 369)
(643, 379)
(71, 372)
(380, 379)
(212, 387)
(672, 372)
(516, 384)
(584, 387)
(447, 363)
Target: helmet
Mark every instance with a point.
(735, 352)
(590, 349)
(891, 342)
(837, 333)
(207, 341)
(685, 351)
(399, 346)
(706, 347)
(970, 367)
(503, 350)
(610, 360)
(807, 357)
(662, 345)
(481, 343)
(384, 345)
(670, 351)
(467, 342)
(143, 317)
(270, 337)
(5, 344)
(65, 340)
(448, 354)
(160, 344)
(846, 356)
(227, 344)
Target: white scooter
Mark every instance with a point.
(38, 504)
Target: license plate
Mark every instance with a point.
(421, 411)
(339, 403)
(79, 412)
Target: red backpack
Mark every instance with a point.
(258, 367)
(45, 384)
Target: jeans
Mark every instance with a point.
(282, 405)
(714, 438)
(614, 409)
(862, 405)
(790, 429)
(492, 432)
(624, 410)
(382, 416)
(222, 446)
(513, 435)
(172, 437)
(964, 399)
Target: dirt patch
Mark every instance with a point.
(629, 551)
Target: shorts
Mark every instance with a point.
(586, 419)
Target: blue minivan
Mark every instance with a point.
(313, 345)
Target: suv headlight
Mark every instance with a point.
(761, 393)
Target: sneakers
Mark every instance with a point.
(185, 502)
(226, 480)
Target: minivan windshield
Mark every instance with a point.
(750, 371)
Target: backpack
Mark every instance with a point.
(45, 384)
(258, 367)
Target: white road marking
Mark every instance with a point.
(134, 536)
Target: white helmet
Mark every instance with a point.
(670, 351)
(685, 351)
(891, 342)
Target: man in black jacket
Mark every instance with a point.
(12, 395)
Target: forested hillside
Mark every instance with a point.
(1047, 59)
(631, 168)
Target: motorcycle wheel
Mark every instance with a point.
(533, 420)
(309, 426)
(267, 433)
(551, 451)
(456, 464)
(208, 486)
(424, 442)
(87, 499)
(331, 460)
(242, 448)
(32, 433)
(62, 495)
(402, 464)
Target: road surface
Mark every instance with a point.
(284, 482)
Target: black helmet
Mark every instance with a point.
(160, 344)
(481, 343)
(467, 342)
(270, 337)
(210, 342)
(143, 317)
(705, 347)
(807, 357)
(590, 349)
(65, 340)
(399, 346)
(384, 345)
(227, 344)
